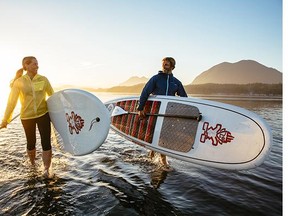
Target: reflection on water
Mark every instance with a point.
(158, 177)
(119, 179)
(33, 195)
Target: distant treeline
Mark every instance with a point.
(122, 89)
(246, 89)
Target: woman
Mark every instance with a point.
(32, 89)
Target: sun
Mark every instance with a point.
(4, 94)
(9, 65)
(7, 73)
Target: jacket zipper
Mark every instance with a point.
(167, 86)
(34, 96)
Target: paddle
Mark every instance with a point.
(119, 111)
(11, 120)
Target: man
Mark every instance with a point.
(163, 83)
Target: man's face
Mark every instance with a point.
(166, 65)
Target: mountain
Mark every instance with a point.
(242, 72)
(135, 80)
(246, 77)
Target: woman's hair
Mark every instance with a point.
(26, 60)
(171, 60)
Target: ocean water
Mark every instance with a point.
(119, 179)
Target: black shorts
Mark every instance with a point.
(44, 128)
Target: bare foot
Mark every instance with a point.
(167, 168)
(47, 174)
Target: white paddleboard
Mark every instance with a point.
(80, 118)
(226, 136)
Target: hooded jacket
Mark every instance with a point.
(161, 84)
(32, 95)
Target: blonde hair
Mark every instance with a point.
(26, 60)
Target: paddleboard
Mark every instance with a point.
(80, 118)
(199, 131)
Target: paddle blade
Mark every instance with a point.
(118, 111)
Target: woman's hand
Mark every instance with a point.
(3, 124)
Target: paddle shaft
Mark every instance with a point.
(198, 118)
(12, 119)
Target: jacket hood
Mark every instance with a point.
(162, 73)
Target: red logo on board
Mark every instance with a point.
(217, 134)
(75, 122)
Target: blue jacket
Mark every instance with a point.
(161, 84)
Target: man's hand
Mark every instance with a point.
(141, 115)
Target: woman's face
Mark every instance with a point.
(33, 66)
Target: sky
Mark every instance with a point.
(97, 43)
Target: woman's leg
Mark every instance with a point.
(32, 155)
(47, 157)
(44, 127)
(30, 132)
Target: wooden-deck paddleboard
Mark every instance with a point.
(226, 136)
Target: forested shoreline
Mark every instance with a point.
(209, 89)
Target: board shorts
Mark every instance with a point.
(44, 128)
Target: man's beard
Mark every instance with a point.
(168, 71)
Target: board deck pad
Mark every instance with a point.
(130, 124)
(179, 135)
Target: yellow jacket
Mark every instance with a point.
(32, 97)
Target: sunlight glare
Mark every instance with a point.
(9, 63)
(4, 94)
